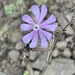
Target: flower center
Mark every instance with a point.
(36, 27)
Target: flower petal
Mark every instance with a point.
(34, 42)
(25, 27)
(51, 27)
(43, 13)
(27, 38)
(44, 42)
(46, 34)
(27, 19)
(51, 19)
(36, 11)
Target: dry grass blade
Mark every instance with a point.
(28, 65)
(49, 58)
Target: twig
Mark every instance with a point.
(49, 57)
(58, 39)
(44, 69)
(69, 23)
(28, 65)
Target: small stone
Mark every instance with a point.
(1, 73)
(3, 66)
(19, 46)
(62, 37)
(5, 46)
(72, 45)
(14, 55)
(69, 5)
(69, 39)
(36, 73)
(0, 69)
(23, 64)
(4, 62)
(3, 54)
(16, 37)
(14, 65)
(55, 53)
(5, 71)
(74, 54)
(69, 30)
(33, 55)
(61, 19)
(40, 62)
(16, 22)
(60, 66)
(63, 22)
(18, 71)
(61, 45)
(67, 52)
(69, 16)
(54, 7)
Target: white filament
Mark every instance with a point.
(36, 27)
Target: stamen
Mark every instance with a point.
(36, 27)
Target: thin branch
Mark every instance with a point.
(68, 23)
(44, 69)
(49, 57)
(28, 65)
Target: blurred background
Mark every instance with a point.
(11, 46)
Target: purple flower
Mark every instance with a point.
(39, 28)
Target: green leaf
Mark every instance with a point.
(26, 72)
(11, 9)
(18, 2)
(52, 42)
(4, 30)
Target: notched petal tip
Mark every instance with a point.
(36, 11)
(25, 27)
(34, 6)
(51, 27)
(56, 25)
(53, 17)
(24, 40)
(43, 13)
(50, 20)
(27, 19)
(23, 17)
(44, 6)
(27, 38)
(21, 27)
